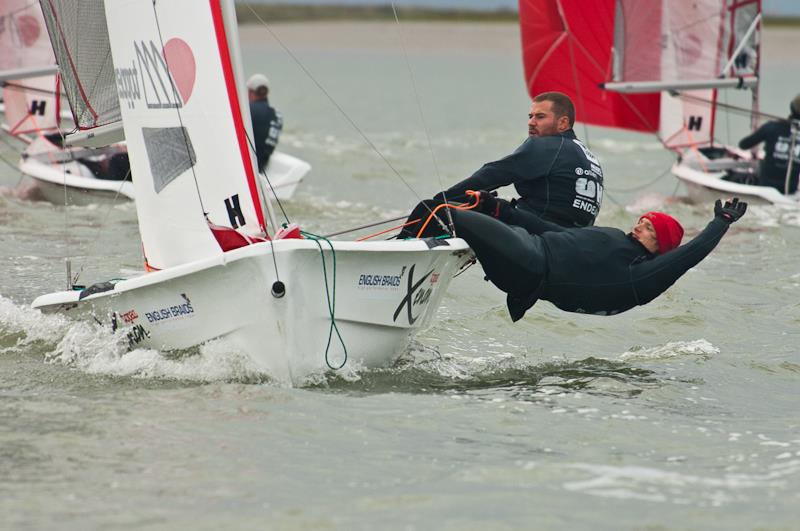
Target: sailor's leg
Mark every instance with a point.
(513, 260)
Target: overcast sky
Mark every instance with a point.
(771, 7)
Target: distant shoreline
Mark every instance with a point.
(301, 13)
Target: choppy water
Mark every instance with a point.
(679, 415)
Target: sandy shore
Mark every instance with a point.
(471, 37)
(779, 42)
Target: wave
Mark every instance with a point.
(95, 349)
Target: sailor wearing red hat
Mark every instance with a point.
(597, 270)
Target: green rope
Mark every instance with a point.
(331, 303)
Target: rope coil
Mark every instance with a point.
(331, 303)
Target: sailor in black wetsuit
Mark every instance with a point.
(597, 270)
(556, 176)
(267, 122)
(777, 138)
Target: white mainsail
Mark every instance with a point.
(31, 103)
(165, 70)
(179, 99)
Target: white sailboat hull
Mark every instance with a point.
(53, 180)
(284, 172)
(384, 291)
(704, 180)
(75, 180)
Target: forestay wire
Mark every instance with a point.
(330, 98)
(422, 115)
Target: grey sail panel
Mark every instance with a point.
(79, 35)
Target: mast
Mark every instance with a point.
(232, 32)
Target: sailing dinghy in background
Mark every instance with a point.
(656, 66)
(91, 164)
(295, 306)
(32, 110)
(98, 115)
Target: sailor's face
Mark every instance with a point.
(645, 233)
(542, 120)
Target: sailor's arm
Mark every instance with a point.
(754, 138)
(653, 277)
(522, 164)
(489, 177)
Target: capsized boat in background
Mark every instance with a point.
(657, 66)
(220, 266)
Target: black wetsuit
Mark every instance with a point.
(267, 126)
(777, 141)
(597, 270)
(557, 177)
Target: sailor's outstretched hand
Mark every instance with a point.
(731, 211)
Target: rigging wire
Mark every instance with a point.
(252, 146)
(178, 112)
(102, 225)
(425, 127)
(335, 104)
(729, 107)
(367, 226)
(639, 187)
(333, 101)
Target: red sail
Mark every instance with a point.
(566, 47)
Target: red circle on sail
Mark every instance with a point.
(182, 67)
(28, 30)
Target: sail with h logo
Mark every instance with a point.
(665, 67)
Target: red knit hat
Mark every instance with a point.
(669, 232)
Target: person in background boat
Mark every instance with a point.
(110, 163)
(555, 174)
(777, 138)
(267, 122)
(596, 270)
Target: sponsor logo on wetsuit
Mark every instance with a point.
(183, 309)
(588, 187)
(588, 195)
(782, 145)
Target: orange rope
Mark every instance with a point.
(464, 206)
(406, 224)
